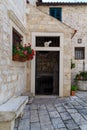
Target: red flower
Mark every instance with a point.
(25, 52)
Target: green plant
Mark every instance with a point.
(72, 64)
(81, 75)
(23, 51)
(73, 87)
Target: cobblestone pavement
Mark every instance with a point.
(55, 114)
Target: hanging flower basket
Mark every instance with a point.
(21, 53)
(30, 56)
(16, 57)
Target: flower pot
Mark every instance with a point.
(82, 85)
(16, 57)
(73, 93)
(22, 59)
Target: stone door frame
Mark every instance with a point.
(33, 62)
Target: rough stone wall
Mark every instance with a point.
(38, 21)
(12, 74)
(76, 17)
(33, 2)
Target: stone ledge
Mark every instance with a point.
(13, 108)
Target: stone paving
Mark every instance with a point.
(55, 114)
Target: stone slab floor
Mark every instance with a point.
(53, 113)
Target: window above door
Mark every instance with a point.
(51, 41)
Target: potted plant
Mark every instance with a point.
(73, 90)
(22, 53)
(81, 80)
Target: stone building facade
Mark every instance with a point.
(32, 21)
(48, 26)
(12, 74)
(74, 15)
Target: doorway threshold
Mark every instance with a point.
(46, 96)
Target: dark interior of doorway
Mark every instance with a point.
(47, 73)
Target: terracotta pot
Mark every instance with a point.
(73, 93)
(16, 57)
(23, 59)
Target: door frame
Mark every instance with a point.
(33, 62)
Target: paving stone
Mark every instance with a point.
(72, 110)
(26, 115)
(34, 113)
(78, 118)
(45, 119)
(81, 102)
(34, 116)
(79, 107)
(83, 111)
(34, 119)
(42, 107)
(60, 109)
(62, 129)
(27, 108)
(54, 114)
(33, 107)
(57, 123)
(68, 105)
(58, 105)
(71, 125)
(65, 116)
(15, 129)
(84, 99)
(50, 108)
(43, 112)
(47, 127)
(35, 126)
(71, 114)
(75, 103)
(83, 127)
(24, 125)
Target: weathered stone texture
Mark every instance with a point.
(75, 17)
(37, 21)
(12, 74)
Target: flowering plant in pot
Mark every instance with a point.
(22, 53)
(81, 80)
(73, 90)
(82, 75)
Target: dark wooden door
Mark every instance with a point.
(47, 73)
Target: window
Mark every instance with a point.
(53, 41)
(17, 37)
(56, 12)
(79, 53)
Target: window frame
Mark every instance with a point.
(81, 51)
(59, 9)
